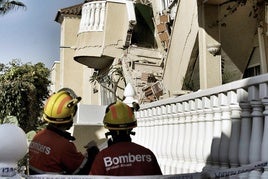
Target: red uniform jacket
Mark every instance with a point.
(125, 159)
(51, 152)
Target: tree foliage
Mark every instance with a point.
(7, 5)
(23, 88)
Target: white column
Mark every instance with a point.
(163, 138)
(150, 129)
(97, 16)
(102, 15)
(92, 15)
(137, 130)
(264, 147)
(142, 131)
(215, 148)
(175, 139)
(146, 123)
(187, 137)
(245, 134)
(181, 139)
(226, 131)
(208, 132)
(194, 133)
(170, 141)
(257, 129)
(155, 132)
(201, 136)
(159, 137)
(235, 129)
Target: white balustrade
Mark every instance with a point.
(93, 14)
(225, 127)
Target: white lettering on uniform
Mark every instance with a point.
(40, 148)
(125, 159)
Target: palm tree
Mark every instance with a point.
(7, 5)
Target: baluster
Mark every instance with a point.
(150, 129)
(102, 15)
(83, 20)
(97, 16)
(200, 136)
(159, 141)
(137, 130)
(257, 130)
(146, 124)
(142, 128)
(174, 139)
(264, 147)
(181, 140)
(226, 131)
(170, 140)
(92, 15)
(208, 132)
(215, 148)
(155, 132)
(87, 17)
(235, 129)
(187, 137)
(244, 141)
(164, 137)
(194, 133)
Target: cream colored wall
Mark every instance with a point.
(55, 77)
(183, 39)
(115, 29)
(73, 74)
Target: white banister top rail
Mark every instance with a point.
(244, 83)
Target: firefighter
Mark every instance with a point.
(52, 149)
(123, 157)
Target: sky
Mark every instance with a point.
(32, 34)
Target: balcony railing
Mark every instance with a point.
(92, 16)
(218, 128)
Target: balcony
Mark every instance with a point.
(103, 32)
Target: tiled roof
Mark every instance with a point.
(72, 10)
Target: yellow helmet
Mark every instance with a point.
(61, 107)
(119, 116)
